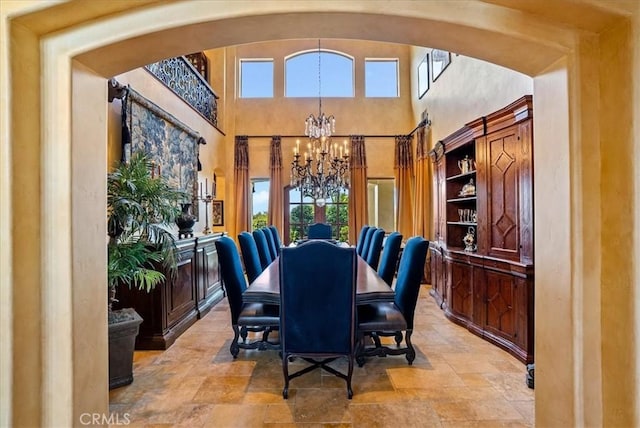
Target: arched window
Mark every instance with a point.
(335, 76)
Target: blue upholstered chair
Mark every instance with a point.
(252, 316)
(391, 318)
(375, 246)
(276, 238)
(317, 308)
(263, 248)
(367, 241)
(389, 259)
(271, 242)
(250, 256)
(361, 236)
(319, 231)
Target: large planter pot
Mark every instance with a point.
(122, 341)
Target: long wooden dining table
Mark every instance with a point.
(370, 287)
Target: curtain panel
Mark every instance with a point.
(241, 179)
(358, 194)
(276, 190)
(404, 175)
(422, 210)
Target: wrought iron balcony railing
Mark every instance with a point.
(179, 75)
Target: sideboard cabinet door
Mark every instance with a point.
(209, 285)
(459, 291)
(181, 296)
(500, 310)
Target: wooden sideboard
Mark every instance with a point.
(172, 307)
(487, 287)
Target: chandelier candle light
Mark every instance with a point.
(324, 171)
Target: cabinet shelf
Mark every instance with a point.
(462, 223)
(464, 199)
(460, 176)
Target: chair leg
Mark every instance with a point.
(398, 338)
(234, 348)
(411, 353)
(359, 351)
(285, 372)
(349, 375)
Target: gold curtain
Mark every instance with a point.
(241, 179)
(403, 168)
(276, 191)
(422, 222)
(422, 208)
(358, 195)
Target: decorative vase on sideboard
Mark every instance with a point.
(185, 222)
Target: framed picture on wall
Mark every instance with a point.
(439, 61)
(217, 213)
(423, 76)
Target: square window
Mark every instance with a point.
(381, 78)
(256, 78)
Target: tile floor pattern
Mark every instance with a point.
(457, 380)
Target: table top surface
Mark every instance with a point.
(370, 287)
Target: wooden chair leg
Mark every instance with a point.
(398, 338)
(234, 348)
(349, 375)
(411, 352)
(285, 372)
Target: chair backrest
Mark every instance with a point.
(410, 274)
(263, 248)
(276, 238)
(389, 259)
(319, 231)
(232, 276)
(367, 241)
(361, 237)
(250, 255)
(271, 242)
(375, 246)
(317, 300)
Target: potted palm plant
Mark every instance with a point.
(140, 210)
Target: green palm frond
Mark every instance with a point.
(140, 211)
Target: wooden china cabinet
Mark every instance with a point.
(482, 253)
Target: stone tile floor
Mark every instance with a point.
(457, 380)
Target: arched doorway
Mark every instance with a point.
(71, 109)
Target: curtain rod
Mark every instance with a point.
(306, 136)
(422, 123)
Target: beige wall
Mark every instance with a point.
(466, 90)
(542, 39)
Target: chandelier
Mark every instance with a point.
(323, 170)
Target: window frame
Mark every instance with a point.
(368, 60)
(319, 214)
(322, 51)
(253, 182)
(242, 61)
(374, 220)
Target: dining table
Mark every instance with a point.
(370, 288)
